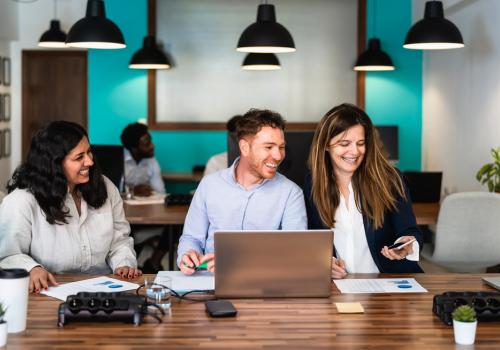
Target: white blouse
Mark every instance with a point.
(95, 242)
(349, 238)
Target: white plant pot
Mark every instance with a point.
(465, 332)
(3, 334)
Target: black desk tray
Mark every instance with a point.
(178, 199)
(486, 304)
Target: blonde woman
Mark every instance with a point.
(356, 191)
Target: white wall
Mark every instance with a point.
(461, 95)
(34, 19)
(202, 36)
(8, 32)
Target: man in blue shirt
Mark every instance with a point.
(249, 195)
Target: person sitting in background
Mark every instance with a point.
(361, 196)
(219, 161)
(142, 171)
(61, 215)
(143, 176)
(249, 195)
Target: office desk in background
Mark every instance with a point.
(390, 321)
(158, 214)
(178, 176)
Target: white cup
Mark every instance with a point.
(14, 297)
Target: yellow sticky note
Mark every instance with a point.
(350, 308)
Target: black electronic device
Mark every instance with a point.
(424, 186)
(486, 305)
(103, 307)
(178, 199)
(110, 160)
(220, 308)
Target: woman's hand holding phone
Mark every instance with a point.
(399, 250)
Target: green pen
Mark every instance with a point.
(202, 266)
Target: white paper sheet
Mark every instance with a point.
(153, 199)
(98, 284)
(380, 285)
(201, 280)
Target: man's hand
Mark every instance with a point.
(143, 190)
(127, 272)
(40, 279)
(189, 261)
(210, 260)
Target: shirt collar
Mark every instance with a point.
(229, 175)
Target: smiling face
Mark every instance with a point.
(77, 163)
(347, 150)
(263, 152)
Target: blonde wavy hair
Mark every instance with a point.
(376, 183)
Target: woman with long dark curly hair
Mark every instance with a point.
(62, 215)
(356, 191)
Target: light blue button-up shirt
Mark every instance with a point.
(146, 172)
(221, 203)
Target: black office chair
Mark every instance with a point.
(110, 160)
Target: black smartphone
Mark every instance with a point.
(220, 308)
(400, 245)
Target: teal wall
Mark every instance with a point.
(118, 95)
(395, 97)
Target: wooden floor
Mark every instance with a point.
(390, 321)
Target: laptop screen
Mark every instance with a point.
(273, 263)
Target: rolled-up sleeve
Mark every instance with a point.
(122, 251)
(16, 231)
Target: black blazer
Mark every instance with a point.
(400, 222)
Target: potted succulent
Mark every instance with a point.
(3, 326)
(490, 173)
(464, 324)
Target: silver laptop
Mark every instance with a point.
(258, 264)
(492, 281)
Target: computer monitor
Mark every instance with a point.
(424, 186)
(294, 166)
(110, 160)
(298, 144)
(389, 137)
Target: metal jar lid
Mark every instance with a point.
(13, 273)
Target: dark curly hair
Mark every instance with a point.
(42, 173)
(131, 135)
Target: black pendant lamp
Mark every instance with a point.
(261, 61)
(95, 31)
(374, 59)
(434, 32)
(266, 35)
(54, 37)
(149, 56)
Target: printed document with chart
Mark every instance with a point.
(379, 285)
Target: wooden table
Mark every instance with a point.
(426, 213)
(158, 214)
(176, 176)
(390, 321)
